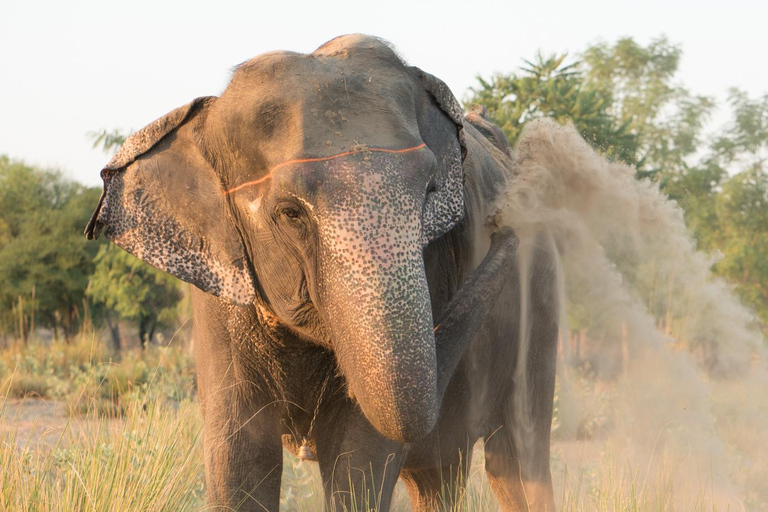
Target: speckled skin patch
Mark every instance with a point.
(132, 223)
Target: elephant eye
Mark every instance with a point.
(291, 212)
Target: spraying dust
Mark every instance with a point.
(664, 369)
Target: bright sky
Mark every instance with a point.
(70, 67)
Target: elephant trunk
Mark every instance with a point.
(385, 345)
(385, 342)
(391, 366)
(374, 289)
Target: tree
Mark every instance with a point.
(134, 290)
(45, 262)
(622, 98)
(548, 87)
(639, 85)
(742, 205)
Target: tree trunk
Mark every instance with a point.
(114, 331)
(145, 331)
(22, 330)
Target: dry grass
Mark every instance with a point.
(150, 460)
(127, 436)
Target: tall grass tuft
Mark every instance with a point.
(150, 460)
(109, 435)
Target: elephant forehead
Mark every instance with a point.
(373, 188)
(346, 173)
(370, 220)
(286, 107)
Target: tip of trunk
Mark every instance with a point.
(407, 417)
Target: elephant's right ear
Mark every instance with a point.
(163, 202)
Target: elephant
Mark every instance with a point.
(357, 299)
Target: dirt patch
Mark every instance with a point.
(34, 423)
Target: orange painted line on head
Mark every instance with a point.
(321, 159)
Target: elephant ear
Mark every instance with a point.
(163, 202)
(442, 128)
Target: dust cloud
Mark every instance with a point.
(662, 372)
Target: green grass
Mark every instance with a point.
(87, 375)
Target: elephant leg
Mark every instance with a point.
(436, 489)
(241, 442)
(359, 466)
(520, 483)
(517, 454)
(243, 457)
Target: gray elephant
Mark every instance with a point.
(353, 300)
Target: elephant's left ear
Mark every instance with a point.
(445, 137)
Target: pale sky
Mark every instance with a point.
(70, 67)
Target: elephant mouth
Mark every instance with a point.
(305, 319)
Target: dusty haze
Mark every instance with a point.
(671, 376)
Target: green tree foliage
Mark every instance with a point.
(45, 262)
(744, 237)
(745, 141)
(639, 84)
(728, 213)
(134, 290)
(621, 97)
(548, 87)
(742, 206)
(696, 190)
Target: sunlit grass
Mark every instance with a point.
(126, 435)
(87, 375)
(114, 434)
(151, 459)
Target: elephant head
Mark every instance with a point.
(310, 187)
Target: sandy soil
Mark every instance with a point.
(37, 422)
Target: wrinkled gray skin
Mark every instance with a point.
(332, 210)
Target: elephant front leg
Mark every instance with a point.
(359, 466)
(243, 458)
(242, 446)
